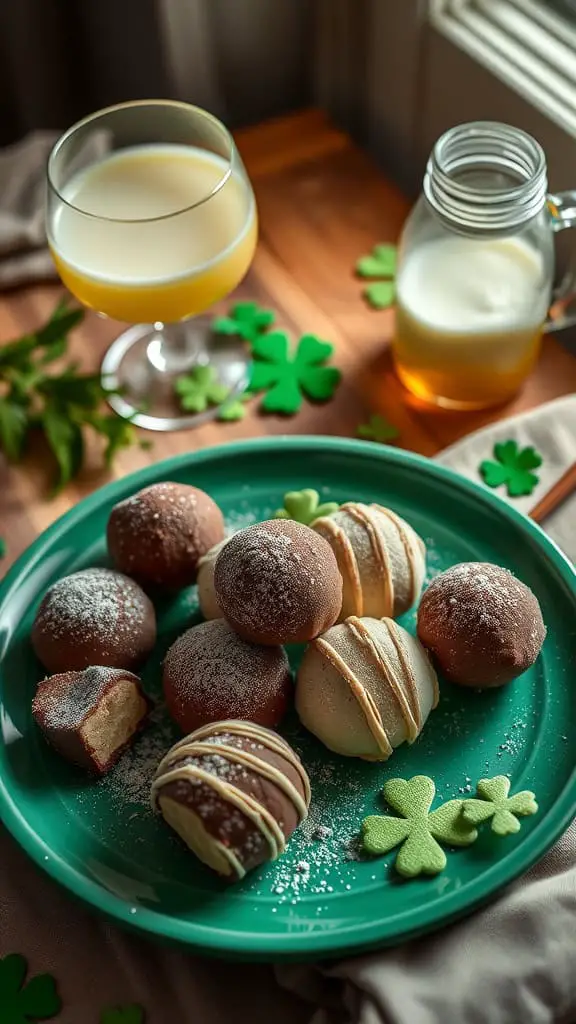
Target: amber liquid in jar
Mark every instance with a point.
(469, 319)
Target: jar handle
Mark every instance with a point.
(562, 209)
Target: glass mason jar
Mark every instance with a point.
(476, 268)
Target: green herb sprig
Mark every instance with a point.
(61, 404)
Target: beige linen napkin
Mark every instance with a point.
(24, 254)
(515, 961)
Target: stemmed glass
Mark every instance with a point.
(151, 219)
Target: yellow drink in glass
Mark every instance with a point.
(138, 252)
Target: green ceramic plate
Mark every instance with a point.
(101, 841)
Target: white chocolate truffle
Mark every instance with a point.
(382, 560)
(364, 687)
(205, 579)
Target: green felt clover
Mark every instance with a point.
(381, 262)
(245, 319)
(380, 294)
(493, 802)
(419, 830)
(199, 389)
(378, 429)
(513, 468)
(381, 265)
(287, 377)
(123, 1015)
(23, 1002)
(235, 409)
(2, 547)
(304, 507)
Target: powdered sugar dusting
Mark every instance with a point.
(64, 701)
(216, 671)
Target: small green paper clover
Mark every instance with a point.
(235, 409)
(245, 319)
(304, 508)
(199, 389)
(512, 467)
(493, 802)
(380, 263)
(378, 429)
(419, 828)
(21, 1002)
(123, 1015)
(287, 377)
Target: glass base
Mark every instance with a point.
(144, 362)
(422, 390)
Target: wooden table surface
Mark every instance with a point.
(322, 203)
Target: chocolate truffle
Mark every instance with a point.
(89, 717)
(159, 534)
(365, 687)
(381, 558)
(482, 625)
(94, 617)
(210, 673)
(206, 593)
(278, 583)
(234, 792)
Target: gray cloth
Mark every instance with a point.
(513, 962)
(24, 255)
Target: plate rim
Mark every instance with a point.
(297, 945)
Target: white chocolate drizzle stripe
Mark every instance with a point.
(378, 655)
(258, 734)
(243, 757)
(396, 638)
(361, 514)
(363, 698)
(225, 851)
(341, 546)
(254, 810)
(406, 541)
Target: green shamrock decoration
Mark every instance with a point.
(493, 802)
(245, 319)
(380, 264)
(21, 1002)
(513, 468)
(236, 409)
(199, 389)
(378, 429)
(2, 547)
(419, 828)
(287, 377)
(304, 508)
(123, 1015)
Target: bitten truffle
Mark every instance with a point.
(482, 625)
(364, 687)
(159, 534)
(278, 582)
(381, 558)
(210, 673)
(90, 717)
(234, 792)
(94, 617)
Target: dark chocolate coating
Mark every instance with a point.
(483, 626)
(222, 819)
(65, 701)
(210, 674)
(94, 617)
(159, 534)
(278, 582)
